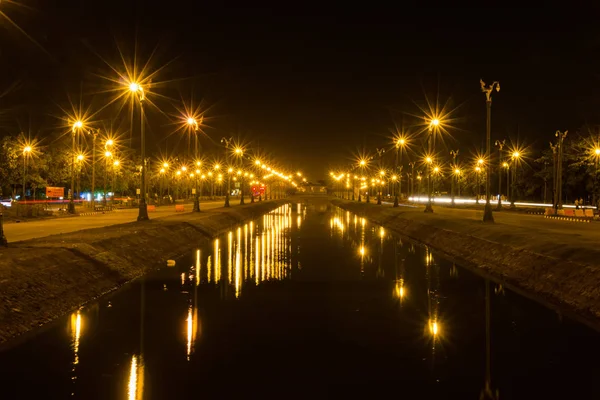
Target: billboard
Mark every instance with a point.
(55, 192)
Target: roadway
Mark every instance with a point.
(33, 229)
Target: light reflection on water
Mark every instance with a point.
(407, 310)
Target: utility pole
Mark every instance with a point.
(487, 213)
(500, 145)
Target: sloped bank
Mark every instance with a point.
(42, 279)
(571, 286)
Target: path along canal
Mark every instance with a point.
(309, 301)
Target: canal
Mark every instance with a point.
(309, 301)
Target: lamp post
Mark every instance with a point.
(80, 158)
(138, 91)
(561, 137)
(507, 166)
(94, 136)
(26, 153)
(362, 165)
(457, 177)
(432, 126)
(412, 180)
(239, 153)
(227, 144)
(194, 124)
(77, 125)
(380, 154)
(428, 207)
(515, 158)
(162, 172)
(500, 145)
(454, 154)
(477, 171)
(107, 156)
(116, 164)
(400, 143)
(597, 157)
(487, 213)
(436, 171)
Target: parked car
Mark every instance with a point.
(6, 201)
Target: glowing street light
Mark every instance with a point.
(137, 91)
(27, 150)
(597, 157)
(487, 213)
(400, 144)
(194, 124)
(76, 127)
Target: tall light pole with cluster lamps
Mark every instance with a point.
(487, 213)
(195, 125)
(597, 158)
(400, 143)
(137, 91)
(26, 154)
(433, 125)
(77, 126)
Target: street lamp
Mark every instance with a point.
(116, 164)
(227, 144)
(380, 154)
(515, 158)
(501, 145)
(400, 143)
(457, 173)
(137, 91)
(597, 156)
(477, 171)
(77, 126)
(428, 207)
(507, 166)
(239, 153)
(487, 213)
(26, 154)
(107, 157)
(362, 164)
(433, 125)
(195, 125)
(454, 154)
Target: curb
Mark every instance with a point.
(567, 219)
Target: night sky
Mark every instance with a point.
(308, 84)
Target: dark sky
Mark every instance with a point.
(314, 85)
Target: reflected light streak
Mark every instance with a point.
(190, 331)
(76, 328)
(197, 267)
(237, 271)
(135, 387)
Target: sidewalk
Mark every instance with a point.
(565, 240)
(32, 229)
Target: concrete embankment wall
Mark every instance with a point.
(45, 278)
(571, 286)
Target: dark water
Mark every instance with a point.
(308, 302)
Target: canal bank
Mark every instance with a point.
(559, 269)
(42, 279)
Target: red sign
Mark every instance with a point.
(55, 192)
(258, 191)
